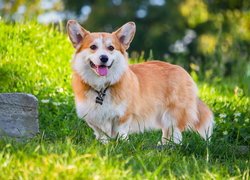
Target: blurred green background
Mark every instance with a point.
(211, 39)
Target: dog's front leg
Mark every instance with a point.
(123, 130)
(99, 134)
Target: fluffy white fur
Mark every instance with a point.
(102, 120)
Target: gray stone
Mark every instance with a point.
(18, 115)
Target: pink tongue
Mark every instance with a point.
(102, 70)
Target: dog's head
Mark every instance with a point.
(100, 58)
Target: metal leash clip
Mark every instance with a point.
(101, 94)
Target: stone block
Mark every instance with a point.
(18, 115)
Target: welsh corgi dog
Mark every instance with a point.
(117, 99)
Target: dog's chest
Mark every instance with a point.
(99, 115)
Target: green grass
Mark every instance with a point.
(35, 59)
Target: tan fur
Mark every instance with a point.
(79, 87)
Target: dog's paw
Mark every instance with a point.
(103, 140)
(123, 137)
(160, 143)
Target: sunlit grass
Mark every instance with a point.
(36, 59)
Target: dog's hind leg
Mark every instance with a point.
(171, 134)
(206, 122)
(170, 131)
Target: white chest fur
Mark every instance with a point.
(100, 116)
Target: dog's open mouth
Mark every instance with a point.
(101, 70)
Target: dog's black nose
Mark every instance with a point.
(104, 58)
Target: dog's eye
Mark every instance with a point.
(111, 48)
(93, 47)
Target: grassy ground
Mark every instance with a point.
(35, 59)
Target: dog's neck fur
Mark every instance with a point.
(123, 83)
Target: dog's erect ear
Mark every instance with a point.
(76, 33)
(126, 34)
